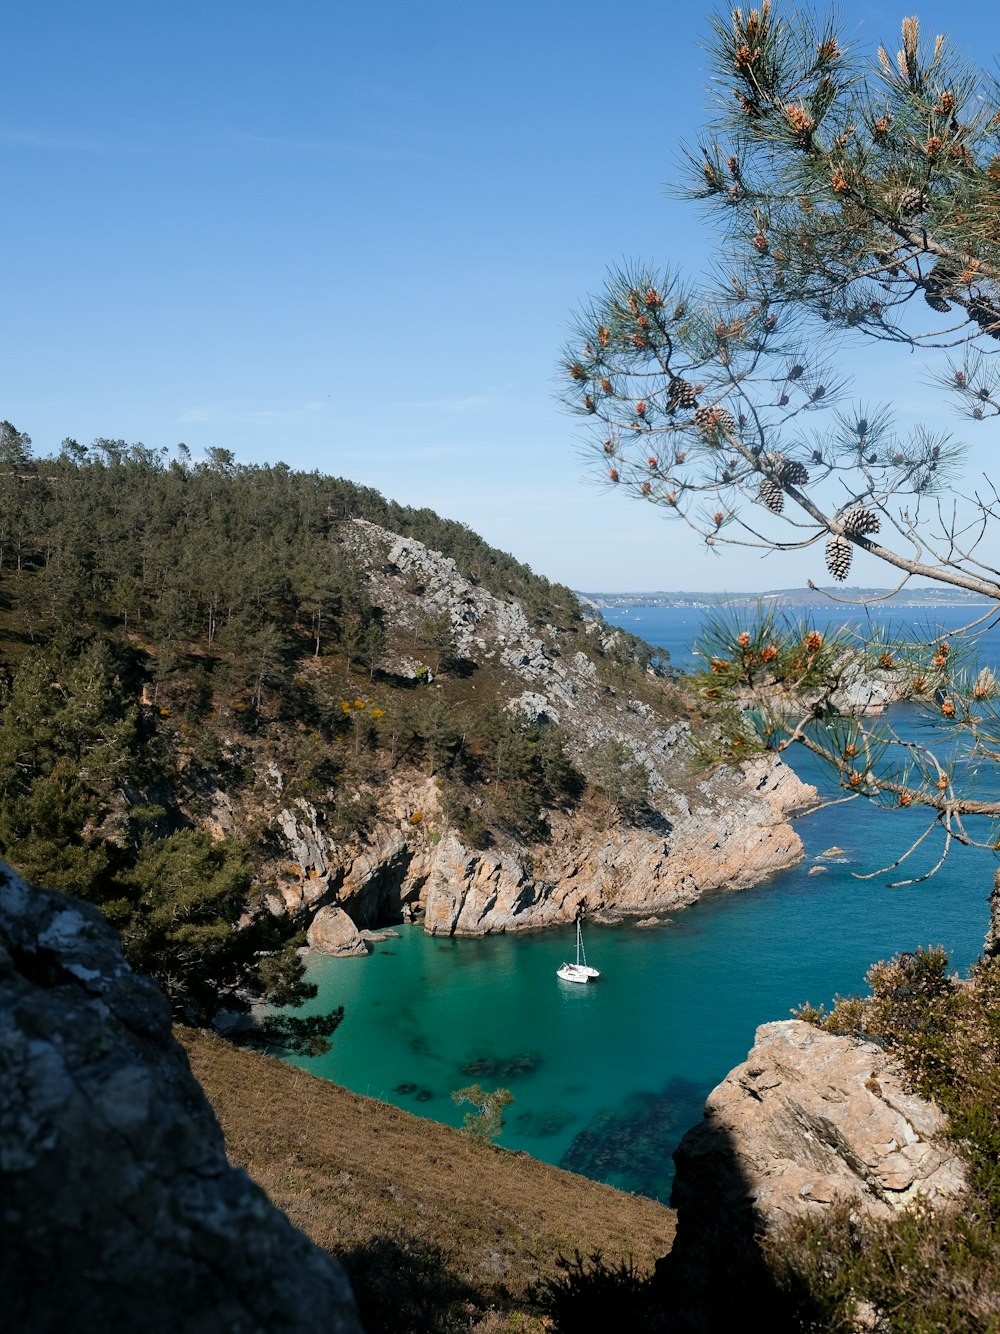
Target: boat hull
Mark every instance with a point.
(572, 972)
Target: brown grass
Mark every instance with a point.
(381, 1189)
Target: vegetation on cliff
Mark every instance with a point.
(171, 631)
(919, 1272)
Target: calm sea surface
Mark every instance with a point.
(606, 1078)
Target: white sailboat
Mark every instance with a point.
(579, 971)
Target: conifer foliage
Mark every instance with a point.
(854, 195)
(858, 195)
(169, 628)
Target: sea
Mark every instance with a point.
(606, 1078)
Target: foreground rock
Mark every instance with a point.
(118, 1209)
(809, 1118)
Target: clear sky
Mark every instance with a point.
(351, 237)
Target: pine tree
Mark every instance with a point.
(859, 194)
(865, 192)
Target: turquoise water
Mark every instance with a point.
(606, 1078)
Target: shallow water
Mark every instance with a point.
(607, 1077)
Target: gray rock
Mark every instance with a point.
(534, 706)
(808, 1119)
(118, 1210)
(862, 693)
(332, 932)
(306, 846)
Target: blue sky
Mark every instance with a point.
(352, 237)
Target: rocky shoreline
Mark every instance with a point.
(733, 841)
(730, 829)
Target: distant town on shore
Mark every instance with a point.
(792, 597)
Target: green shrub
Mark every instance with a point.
(487, 1123)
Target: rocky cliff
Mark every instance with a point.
(728, 830)
(809, 1119)
(118, 1209)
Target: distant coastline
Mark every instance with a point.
(792, 597)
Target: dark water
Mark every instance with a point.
(606, 1078)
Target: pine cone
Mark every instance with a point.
(771, 495)
(860, 520)
(909, 202)
(787, 471)
(792, 474)
(724, 420)
(838, 557)
(937, 303)
(714, 419)
(681, 394)
(985, 315)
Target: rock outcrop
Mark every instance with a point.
(333, 932)
(733, 835)
(731, 830)
(808, 1119)
(118, 1210)
(991, 946)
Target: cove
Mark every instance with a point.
(607, 1078)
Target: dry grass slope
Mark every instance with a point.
(439, 1232)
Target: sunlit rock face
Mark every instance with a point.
(813, 1118)
(118, 1209)
(729, 830)
(809, 1119)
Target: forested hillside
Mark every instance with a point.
(169, 627)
